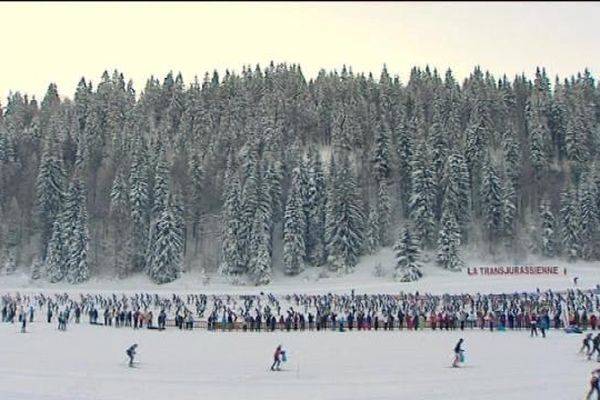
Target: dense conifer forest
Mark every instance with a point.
(243, 174)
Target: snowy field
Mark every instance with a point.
(89, 362)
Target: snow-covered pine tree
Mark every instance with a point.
(316, 210)
(548, 245)
(260, 263)
(512, 157)
(448, 243)
(456, 191)
(120, 213)
(160, 190)
(197, 177)
(49, 192)
(10, 261)
(476, 142)
(404, 135)
(294, 248)
(575, 143)
(70, 210)
(249, 203)
(509, 209)
(160, 196)
(588, 217)
(381, 153)
(36, 269)
(437, 141)
(384, 212)
(380, 159)
(55, 261)
(231, 257)
(372, 239)
(344, 233)
(407, 252)
(11, 238)
(259, 267)
(539, 137)
(140, 207)
(165, 264)
(491, 202)
(422, 199)
(273, 175)
(570, 219)
(79, 242)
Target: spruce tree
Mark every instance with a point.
(315, 210)
(372, 238)
(231, 250)
(140, 208)
(49, 192)
(56, 268)
(588, 217)
(422, 199)
(79, 242)
(120, 213)
(294, 249)
(165, 265)
(548, 245)
(491, 202)
(260, 261)
(570, 219)
(407, 253)
(344, 233)
(448, 244)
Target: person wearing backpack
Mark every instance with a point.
(458, 353)
(277, 358)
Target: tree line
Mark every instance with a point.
(247, 173)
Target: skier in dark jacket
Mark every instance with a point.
(594, 382)
(596, 347)
(457, 353)
(585, 348)
(131, 354)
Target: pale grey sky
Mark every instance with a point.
(60, 42)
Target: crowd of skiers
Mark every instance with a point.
(298, 312)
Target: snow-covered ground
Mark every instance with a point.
(363, 280)
(89, 362)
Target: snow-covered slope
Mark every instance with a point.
(363, 280)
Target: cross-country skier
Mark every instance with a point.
(277, 358)
(594, 382)
(596, 347)
(457, 353)
(585, 347)
(131, 354)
